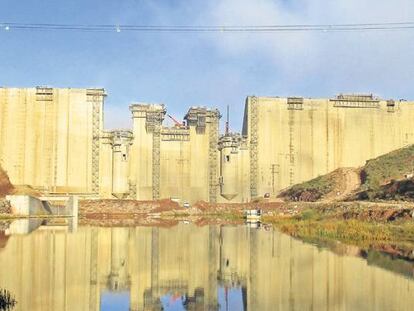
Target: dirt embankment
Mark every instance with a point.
(333, 187)
(234, 208)
(388, 177)
(121, 208)
(5, 185)
(166, 212)
(108, 207)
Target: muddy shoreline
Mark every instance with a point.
(386, 227)
(359, 224)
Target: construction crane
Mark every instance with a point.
(176, 122)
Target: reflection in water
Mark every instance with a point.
(114, 301)
(192, 268)
(24, 226)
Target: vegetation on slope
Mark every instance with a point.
(384, 177)
(396, 190)
(330, 187)
(315, 223)
(309, 191)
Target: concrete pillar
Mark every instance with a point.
(145, 155)
(204, 131)
(120, 163)
(229, 166)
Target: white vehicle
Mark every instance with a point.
(253, 214)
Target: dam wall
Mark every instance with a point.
(292, 140)
(49, 138)
(53, 140)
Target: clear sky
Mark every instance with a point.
(182, 70)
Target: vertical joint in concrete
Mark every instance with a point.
(156, 155)
(96, 98)
(291, 148)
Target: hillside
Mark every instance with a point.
(388, 177)
(334, 186)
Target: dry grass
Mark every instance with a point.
(311, 224)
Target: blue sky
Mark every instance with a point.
(182, 70)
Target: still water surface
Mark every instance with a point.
(186, 267)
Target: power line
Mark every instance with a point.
(209, 28)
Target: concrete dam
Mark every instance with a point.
(53, 140)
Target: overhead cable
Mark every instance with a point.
(6, 26)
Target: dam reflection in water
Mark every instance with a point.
(194, 268)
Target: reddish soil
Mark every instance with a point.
(122, 208)
(333, 187)
(206, 207)
(5, 185)
(128, 222)
(148, 213)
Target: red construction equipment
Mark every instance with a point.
(176, 122)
